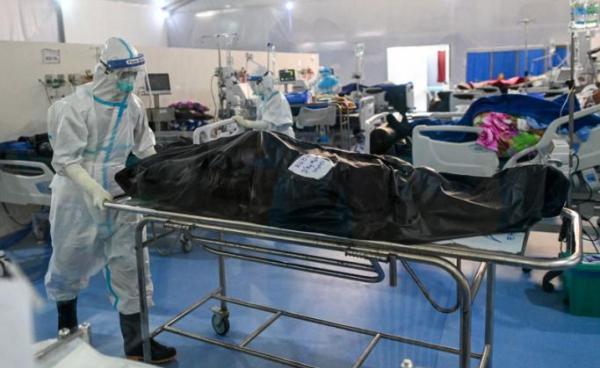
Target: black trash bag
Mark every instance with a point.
(247, 178)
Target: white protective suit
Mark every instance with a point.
(96, 128)
(273, 111)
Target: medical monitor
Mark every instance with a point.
(287, 75)
(160, 83)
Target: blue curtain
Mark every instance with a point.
(488, 65)
(478, 66)
(534, 67)
(559, 55)
(504, 62)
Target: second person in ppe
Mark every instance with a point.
(273, 111)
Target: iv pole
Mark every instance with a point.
(525, 22)
(571, 86)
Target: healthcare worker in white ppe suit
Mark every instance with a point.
(92, 132)
(273, 110)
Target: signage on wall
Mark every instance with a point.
(50, 56)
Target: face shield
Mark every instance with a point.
(124, 76)
(324, 72)
(261, 82)
(255, 81)
(121, 69)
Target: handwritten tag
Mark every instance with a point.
(312, 166)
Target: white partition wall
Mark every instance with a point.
(23, 104)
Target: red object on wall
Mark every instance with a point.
(441, 67)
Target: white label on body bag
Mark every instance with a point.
(312, 166)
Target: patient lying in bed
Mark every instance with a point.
(511, 123)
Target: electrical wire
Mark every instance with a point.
(588, 237)
(571, 91)
(5, 273)
(46, 91)
(10, 216)
(587, 185)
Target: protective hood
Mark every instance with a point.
(115, 73)
(262, 83)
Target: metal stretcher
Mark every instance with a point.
(448, 257)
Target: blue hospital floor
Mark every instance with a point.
(533, 328)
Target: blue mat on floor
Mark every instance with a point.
(533, 329)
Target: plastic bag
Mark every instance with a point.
(249, 178)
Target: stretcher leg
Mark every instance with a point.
(220, 318)
(141, 273)
(489, 311)
(465, 336)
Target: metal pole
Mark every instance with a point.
(60, 23)
(465, 329)
(526, 22)
(489, 311)
(141, 273)
(368, 249)
(222, 279)
(571, 118)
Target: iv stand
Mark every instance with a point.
(571, 85)
(220, 71)
(525, 22)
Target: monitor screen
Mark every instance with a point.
(287, 75)
(159, 83)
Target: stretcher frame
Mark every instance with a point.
(446, 257)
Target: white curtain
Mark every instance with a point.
(28, 20)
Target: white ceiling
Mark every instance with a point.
(198, 5)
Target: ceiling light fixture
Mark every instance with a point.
(206, 14)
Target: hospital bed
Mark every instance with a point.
(371, 121)
(468, 158)
(25, 182)
(460, 100)
(217, 130)
(354, 259)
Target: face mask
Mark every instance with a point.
(126, 82)
(125, 86)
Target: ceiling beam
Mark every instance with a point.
(174, 5)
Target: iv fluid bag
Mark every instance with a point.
(585, 14)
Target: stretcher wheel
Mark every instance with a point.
(526, 270)
(220, 324)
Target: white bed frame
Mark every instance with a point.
(217, 130)
(468, 158)
(25, 182)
